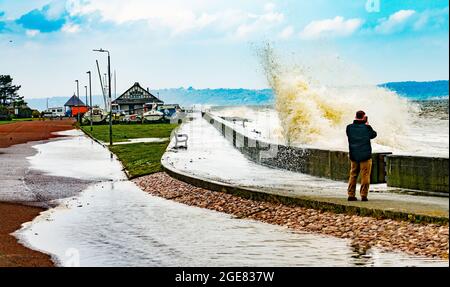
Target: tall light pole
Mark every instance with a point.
(78, 96)
(109, 93)
(85, 89)
(90, 96)
(115, 85)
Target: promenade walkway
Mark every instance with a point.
(211, 159)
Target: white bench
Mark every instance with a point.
(179, 139)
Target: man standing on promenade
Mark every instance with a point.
(359, 135)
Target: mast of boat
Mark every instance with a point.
(106, 85)
(101, 84)
(115, 85)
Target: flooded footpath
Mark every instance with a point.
(112, 222)
(22, 193)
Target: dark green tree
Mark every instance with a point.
(8, 92)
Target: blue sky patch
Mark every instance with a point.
(38, 20)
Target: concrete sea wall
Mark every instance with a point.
(322, 163)
(419, 173)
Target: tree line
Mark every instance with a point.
(10, 100)
(9, 93)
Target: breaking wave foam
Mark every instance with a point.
(314, 114)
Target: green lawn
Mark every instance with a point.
(122, 133)
(15, 121)
(141, 158)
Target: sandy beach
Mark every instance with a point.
(17, 204)
(13, 254)
(22, 132)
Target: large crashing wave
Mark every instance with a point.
(317, 115)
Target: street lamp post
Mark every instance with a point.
(86, 96)
(109, 93)
(78, 96)
(90, 96)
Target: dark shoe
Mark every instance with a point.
(352, 198)
(364, 199)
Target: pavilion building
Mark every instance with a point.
(135, 100)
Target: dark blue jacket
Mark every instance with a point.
(359, 135)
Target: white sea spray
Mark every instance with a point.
(315, 114)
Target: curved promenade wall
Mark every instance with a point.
(420, 173)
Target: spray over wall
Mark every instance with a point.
(314, 114)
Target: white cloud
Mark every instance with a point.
(396, 22)
(171, 14)
(411, 20)
(32, 33)
(55, 9)
(432, 19)
(180, 16)
(287, 32)
(71, 28)
(260, 22)
(337, 26)
(269, 7)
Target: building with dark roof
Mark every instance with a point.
(133, 100)
(75, 106)
(74, 101)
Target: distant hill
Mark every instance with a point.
(182, 96)
(191, 96)
(41, 104)
(419, 90)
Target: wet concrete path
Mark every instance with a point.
(212, 158)
(22, 184)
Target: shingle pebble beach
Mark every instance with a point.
(429, 240)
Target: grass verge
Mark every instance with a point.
(15, 121)
(125, 132)
(141, 158)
